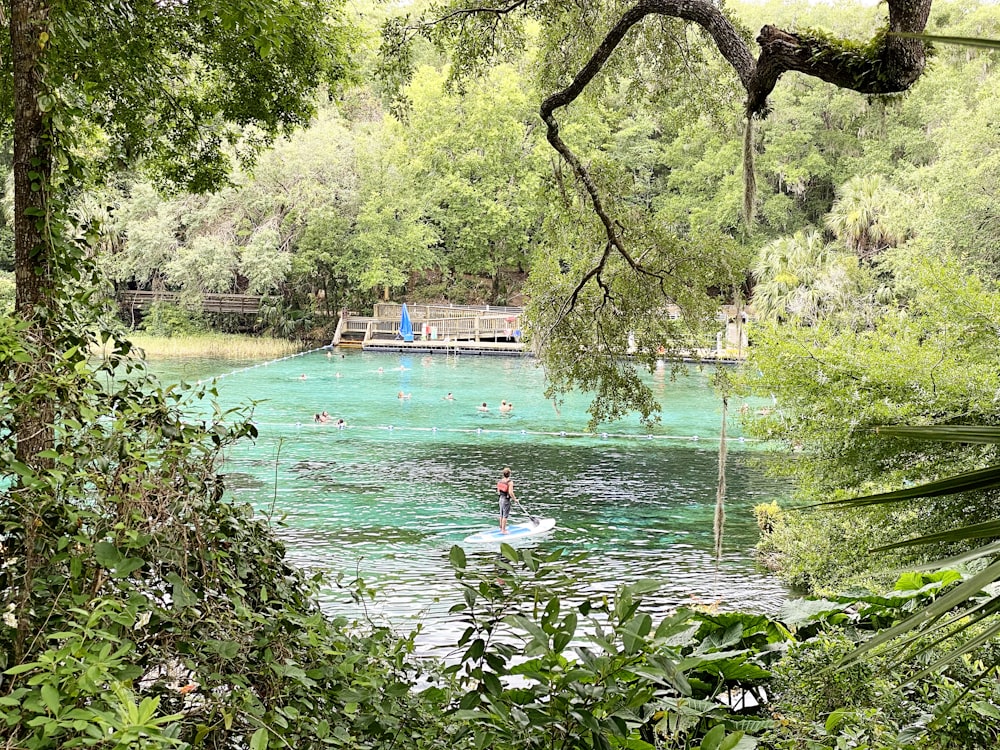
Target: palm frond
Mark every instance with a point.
(928, 616)
(964, 533)
(959, 559)
(945, 433)
(964, 41)
(980, 479)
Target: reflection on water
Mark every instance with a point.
(389, 496)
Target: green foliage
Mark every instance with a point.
(246, 74)
(142, 603)
(803, 279)
(6, 292)
(598, 674)
(168, 319)
(925, 360)
(768, 516)
(480, 194)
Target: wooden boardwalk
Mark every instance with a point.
(240, 304)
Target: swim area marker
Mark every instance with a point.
(485, 431)
(238, 370)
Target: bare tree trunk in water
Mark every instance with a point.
(720, 496)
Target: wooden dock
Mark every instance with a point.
(444, 329)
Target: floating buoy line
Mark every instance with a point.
(495, 432)
(238, 370)
(475, 431)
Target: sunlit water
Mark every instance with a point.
(387, 497)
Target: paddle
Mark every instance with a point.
(534, 519)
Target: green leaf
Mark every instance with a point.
(962, 41)
(21, 668)
(127, 566)
(50, 696)
(986, 709)
(225, 649)
(835, 719)
(713, 738)
(107, 555)
(182, 596)
(737, 741)
(646, 586)
(457, 557)
(259, 739)
(961, 558)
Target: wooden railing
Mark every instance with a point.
(434, 322)
(390, 310)
(242, 304)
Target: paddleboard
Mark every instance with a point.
(514, 531)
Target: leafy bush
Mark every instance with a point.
(824, 551)
(168, 319)
(6, 292)
(144, 608)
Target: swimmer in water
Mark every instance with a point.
(341, 424)
(483, 407)
(449, 397)
(302, 376)
(505, 406)
(403, 395)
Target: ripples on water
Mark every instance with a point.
(388, 504)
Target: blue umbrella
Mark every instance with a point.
(405, 326)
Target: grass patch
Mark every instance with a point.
(213, 346)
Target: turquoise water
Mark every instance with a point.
(388, 496)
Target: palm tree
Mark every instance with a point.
(858, 216)
(800, 277)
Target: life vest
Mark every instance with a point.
(503, 486)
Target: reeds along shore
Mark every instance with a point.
(214, 345)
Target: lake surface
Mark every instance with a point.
(388, 496)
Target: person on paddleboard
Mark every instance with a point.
(505, 491)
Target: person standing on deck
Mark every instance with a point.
(505, 492)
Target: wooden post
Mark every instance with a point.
(340, 328)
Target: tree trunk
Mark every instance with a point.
(32, 251)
